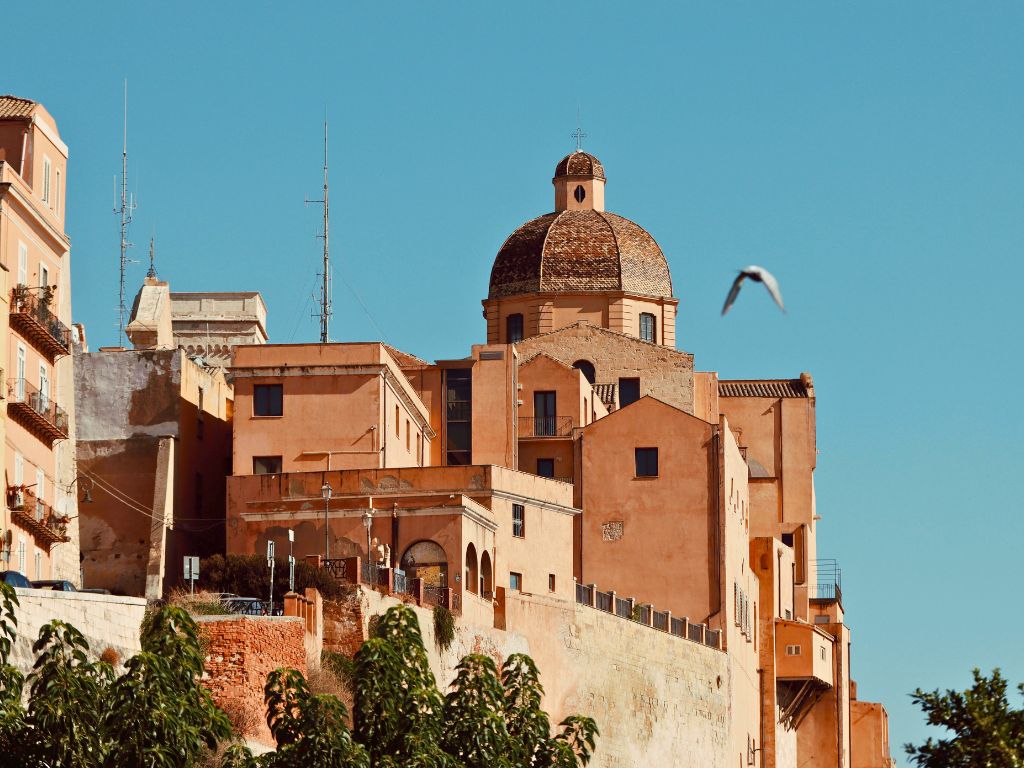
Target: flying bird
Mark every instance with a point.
(758, 275)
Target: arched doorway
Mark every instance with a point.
(426, 560)
(486, 576)
(471, 569)
(587, 369)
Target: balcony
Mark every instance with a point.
(32, 319)
(828, 586)
(36, 411)
(38, 518)
(803, 667)
(545, 426)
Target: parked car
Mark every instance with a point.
(15, 579)
(245, 606)
(57, 585)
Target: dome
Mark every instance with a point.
(580, 250)
(579, 163)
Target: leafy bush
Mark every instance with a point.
(249, 576)
(444, 627)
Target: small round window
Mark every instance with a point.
(579, 193)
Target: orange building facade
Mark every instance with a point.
(579, 457)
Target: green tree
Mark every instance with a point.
(986, 731)
(474, 716)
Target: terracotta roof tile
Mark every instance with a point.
(763, 388)
(579, 163)
(13, 107)
(607, 393)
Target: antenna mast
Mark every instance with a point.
(325, 285)
(124, 209)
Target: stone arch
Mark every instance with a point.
(587, 369)
(486, 575)
(471, 569)
(426, 560)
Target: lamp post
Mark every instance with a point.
(368, 524)
(326, 490)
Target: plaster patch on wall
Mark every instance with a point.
(612, 531)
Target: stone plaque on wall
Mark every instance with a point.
(612, 531)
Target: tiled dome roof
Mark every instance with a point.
(579, 163)
(580, 251)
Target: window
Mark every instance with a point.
(648, 327)
(398, 422)
(39, 565)
(544, 414)
(458, 416)
(793, 650)
(20, 384)
(268, 400)
(587, 369)
(513, 328)
(822, 618)
(518, 521)
(419, 450)
(22, 264)
(44, 387)
(579, 193)
(56, 195)
(266, 465)
(586, 410)
(21, 555)
(787, 539)
(821, 650)
(44, 276)
(408, 435)
(629, 391)
(515, 581)
(546, 467)
(646, 462)
(551, 582)
(47, 171)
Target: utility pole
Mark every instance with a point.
(124, 209)
(325, 284)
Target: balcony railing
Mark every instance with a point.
(32, 318)
(828, 586)
(545, 426)
(36, 411)
(35, 516)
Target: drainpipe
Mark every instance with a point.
(394, 536)
(384, 407)
(760, 709)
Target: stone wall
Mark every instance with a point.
(106, 621)
(241, 651)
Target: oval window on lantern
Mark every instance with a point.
(579, 193)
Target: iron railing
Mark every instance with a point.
(604, 601)
(623, 608)
(401, 582)
(545, 426)
(661, 620)
(828, 584)
(20, 391)
(584, 594)
(26, 303)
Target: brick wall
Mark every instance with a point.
(241, 652)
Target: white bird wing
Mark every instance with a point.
(734, 291)
(769, 282)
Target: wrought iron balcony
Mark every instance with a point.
(35, 516)
(545, 426)
(31, 317)
(36, 411)
(828, 586)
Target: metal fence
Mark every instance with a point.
(604, 601)
(661, 620)
(623, 608)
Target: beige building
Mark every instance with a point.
(40, 526)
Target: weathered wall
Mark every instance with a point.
(241, 652)
(104, 620)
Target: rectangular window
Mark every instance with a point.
(586, 410)
(546, 467)
(20, 382)
(822, 618)
(44, 387)
(518, 521)
(398, 422)
(793, 650)
(513, 329)
(544, 414)
(39, 566)
(47, 171)
(647, 327)
(266, 465)
(268, 400)
(21, 555)
(56, 195)
(458, 416)
(822, 650)
(44, 276)
(419, 450)
(22, 264)
(515, 581)
(629, 391)
(408, 435)
(551, 582)
(646, 462)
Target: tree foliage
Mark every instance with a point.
(81, 714)
(986, 730)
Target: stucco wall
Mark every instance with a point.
(104, 620)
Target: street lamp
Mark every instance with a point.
(326, 491)
(368, 524)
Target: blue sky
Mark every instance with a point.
(869, 154)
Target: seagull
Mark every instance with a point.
(758, 275)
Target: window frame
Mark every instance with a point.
(653, 321)
(515, 581)
(47, 181)
(637, 462)
(517, 319)
(280, 464)
(639, 391)
(520, 523)
(546, 458)
(256, 401)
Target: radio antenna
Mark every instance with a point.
(325, 284)
(125, 208)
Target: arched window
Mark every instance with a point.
(513, 329)
(587, 369)
(648, 327)
(426, 560)
(471, 569)
(486, 577)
